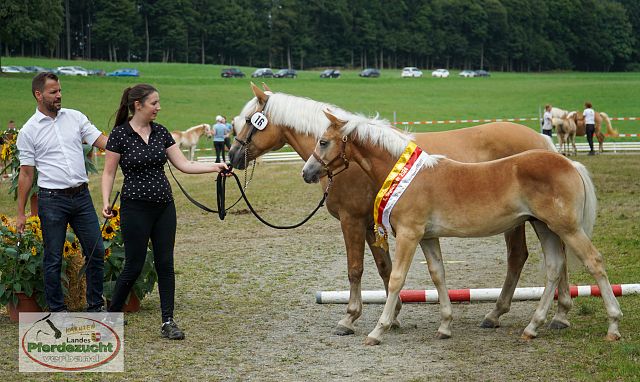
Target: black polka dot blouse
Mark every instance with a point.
(142, 164)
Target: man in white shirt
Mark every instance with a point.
(547, 125)
(590, 124)
(51, 142)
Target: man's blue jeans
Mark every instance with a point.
(56, 210)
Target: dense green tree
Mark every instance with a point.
(507, 35)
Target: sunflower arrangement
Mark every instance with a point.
(21, 261)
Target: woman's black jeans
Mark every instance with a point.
(140, 222)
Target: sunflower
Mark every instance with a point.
(34, 251)
(107, 253)
(5, 220)
(109, 233)
(4, 154)
(68, 249)
(114, 224)
(75, 246)
(116, 214)
(34, 221)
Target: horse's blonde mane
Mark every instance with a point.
(301, 114)
(306, 116)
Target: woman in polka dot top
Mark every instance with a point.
(141, 147)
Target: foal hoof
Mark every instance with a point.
(442, 336)
(370, 341)
(558, 325)
(611, 337)
(341, 330)
(527, 337)
(488, 324)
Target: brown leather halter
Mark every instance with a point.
(341, 156)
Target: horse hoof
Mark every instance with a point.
(341, 330)
(488, 324)
(611, 337)
(558, 325)
(370, 341)
(527, 337)
(442, 336)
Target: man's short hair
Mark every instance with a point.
(39, 80)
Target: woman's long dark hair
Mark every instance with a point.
(130, 95)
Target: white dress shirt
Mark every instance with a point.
(54, 147)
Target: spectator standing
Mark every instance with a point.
(547, 121)
(590, 125)
(219, 133)
(51, 142)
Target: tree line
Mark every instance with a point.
(504, 35)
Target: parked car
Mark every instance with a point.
(231, 72)
(73, 71)
(411, 71)
(262, 72)
(97, 72)
(36, 69)
(330, 73)
(482, 73)
(126, 72)
(467, 73)
(14, 69)
(440, 73)
(370, 72)
(285, 73)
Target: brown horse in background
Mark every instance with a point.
(189, 138)
(578, 119)
(300, 121)
(453, 199)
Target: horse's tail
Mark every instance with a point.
(590, 201)
(610, 130)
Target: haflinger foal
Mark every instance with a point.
(190, 137)
(433, 197)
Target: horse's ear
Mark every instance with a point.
(262, 98)
(333, 119)
(265, 87)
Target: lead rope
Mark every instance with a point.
(220, 200)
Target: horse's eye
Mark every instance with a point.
(323, 143)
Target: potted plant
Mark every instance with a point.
(114, 261)
(21, 275)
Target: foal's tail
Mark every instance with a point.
(610, 130)
(590, 201)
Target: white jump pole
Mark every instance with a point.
(468, 295)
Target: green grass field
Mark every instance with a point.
(194, 94)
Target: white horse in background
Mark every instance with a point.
(189, 138)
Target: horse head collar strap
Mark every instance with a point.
(257, 121)
(341, 156)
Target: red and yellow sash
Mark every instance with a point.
(403, 172)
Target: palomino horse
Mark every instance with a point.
(449, 198)
(299, 122)
(189, 138)
(566, 132)
(578, 119)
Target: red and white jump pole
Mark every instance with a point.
(468, 295)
